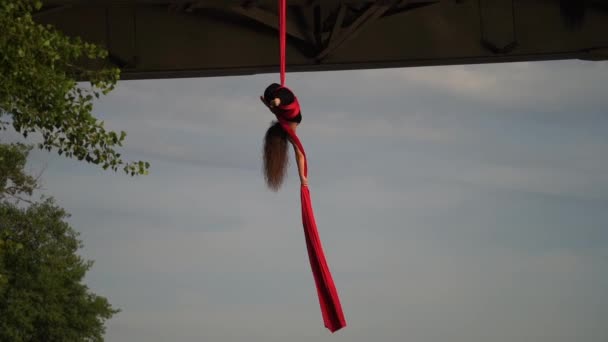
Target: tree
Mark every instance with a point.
(39, 90)
(42, 297)
(13, 181)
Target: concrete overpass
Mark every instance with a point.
(166, 39)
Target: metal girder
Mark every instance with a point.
(375, 11)
(597, 54)
(51, 10)
(313, 33)
(269, 19)
(174, 38)
(247, 9)
(497, 21)
(337, 26)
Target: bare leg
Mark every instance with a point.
(300, 160)
(293, 125)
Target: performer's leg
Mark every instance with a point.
(293, 125)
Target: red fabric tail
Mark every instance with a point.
(331, 309)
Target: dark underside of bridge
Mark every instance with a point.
(164, 39)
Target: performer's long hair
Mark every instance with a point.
(276, 158)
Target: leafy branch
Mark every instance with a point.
(39, 89)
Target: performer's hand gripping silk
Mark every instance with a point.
(283, 103)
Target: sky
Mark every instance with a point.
(454, 203)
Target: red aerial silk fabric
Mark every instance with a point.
(289, 111)
(331, 309)
(282, 32)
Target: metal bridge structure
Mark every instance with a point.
(153, 39)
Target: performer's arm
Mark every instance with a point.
(300, 161)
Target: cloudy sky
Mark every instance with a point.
(457, 204)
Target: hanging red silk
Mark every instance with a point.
(282, 32)
(331, 309)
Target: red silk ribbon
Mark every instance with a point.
(282, 33)
(331, 309)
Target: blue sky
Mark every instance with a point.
(456, 203)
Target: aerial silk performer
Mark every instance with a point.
(284, 104)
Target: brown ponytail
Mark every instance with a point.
(276, 158)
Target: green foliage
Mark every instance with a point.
(39, 92)
(41, 294)
(13, 181)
